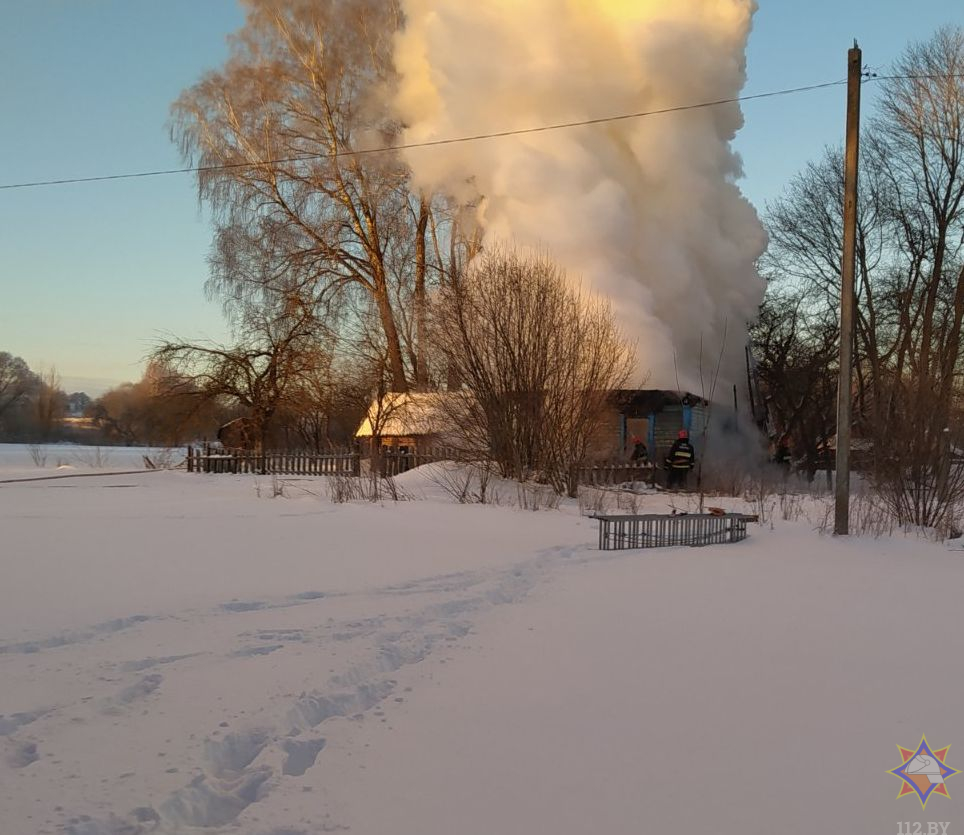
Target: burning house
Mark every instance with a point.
(655, 416)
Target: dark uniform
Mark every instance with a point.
(639, 451)
(679, 462)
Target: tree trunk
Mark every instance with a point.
(421, 364)
(394, 345)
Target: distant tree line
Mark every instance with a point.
(164, 408)
(32, 404)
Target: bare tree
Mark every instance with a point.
(921, 125)
(50, 405)
(910, 274)
(159, 409)
(538, 359)
(277, 351)
(17, 382)
(796, 355)
(275, 133)
(327, 404)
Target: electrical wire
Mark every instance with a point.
(435, 143)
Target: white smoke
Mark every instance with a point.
(646, 211)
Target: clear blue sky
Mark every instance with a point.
(92, 274)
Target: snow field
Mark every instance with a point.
(178, 655)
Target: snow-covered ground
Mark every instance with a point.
(45, 460)
(181, 655)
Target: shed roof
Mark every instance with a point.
(404, 415)
(644, 402)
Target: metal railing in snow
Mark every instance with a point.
(656, 530)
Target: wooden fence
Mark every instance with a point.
(392, 462)
(215, 460)
(209, 459)
(601, 475)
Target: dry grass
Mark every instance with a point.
(344, 488)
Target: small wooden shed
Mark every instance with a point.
(409, 422)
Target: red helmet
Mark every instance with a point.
(683, 433)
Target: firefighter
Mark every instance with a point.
(679, 462)
(639, 451)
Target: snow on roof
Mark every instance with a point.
(404, 415)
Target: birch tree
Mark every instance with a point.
(280, 135)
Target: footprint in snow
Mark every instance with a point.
(243, 605)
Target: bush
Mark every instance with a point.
(537, 356)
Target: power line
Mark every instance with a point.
(434, 143)
(872, 76)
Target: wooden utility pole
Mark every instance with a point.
(841, 526)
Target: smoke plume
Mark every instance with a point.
(645, 211)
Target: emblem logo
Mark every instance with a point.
(923, 771)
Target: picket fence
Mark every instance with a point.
(208, 459)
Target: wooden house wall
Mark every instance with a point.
(668, 424)
(613, 440)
